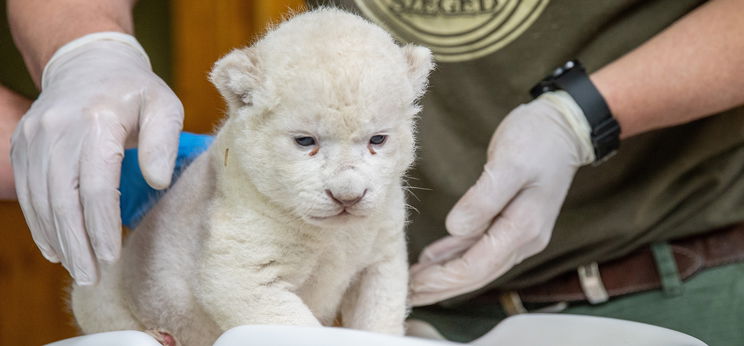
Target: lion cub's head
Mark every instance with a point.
(324, 105)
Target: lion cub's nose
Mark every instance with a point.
(346, 200)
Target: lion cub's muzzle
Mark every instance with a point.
(347, 199)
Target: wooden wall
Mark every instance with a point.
(32, 291)
(33, 310)
(198, 41)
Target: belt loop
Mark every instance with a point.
(667, 268)
(511, 303)
(591, 283)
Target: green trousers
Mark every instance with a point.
(708, 306)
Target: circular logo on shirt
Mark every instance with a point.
(455, 30)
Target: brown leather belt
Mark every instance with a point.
(637, 271)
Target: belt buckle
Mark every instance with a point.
(512, 305)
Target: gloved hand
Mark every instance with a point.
(98, 92)
(509, 214)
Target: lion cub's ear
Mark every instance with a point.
(420, 63)
(236, 76)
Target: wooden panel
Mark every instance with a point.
(33, 307)
(203, 32)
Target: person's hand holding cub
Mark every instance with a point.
(98, 91)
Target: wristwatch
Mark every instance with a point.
(572, 78)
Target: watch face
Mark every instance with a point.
(549, 82)
(568, 66)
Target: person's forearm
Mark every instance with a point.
(12, 108)
(692, 69)
(40, 27)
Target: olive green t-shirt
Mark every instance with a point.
(661, 185)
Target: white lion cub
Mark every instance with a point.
(295, 214)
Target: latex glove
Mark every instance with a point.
(98, 91)
(509, 214)
(137, 198)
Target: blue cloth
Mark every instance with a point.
(136, 196)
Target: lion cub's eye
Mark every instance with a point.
(305, 141)
(377, 139)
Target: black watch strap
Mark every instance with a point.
(573, 79)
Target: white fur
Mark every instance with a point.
(248, 233)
